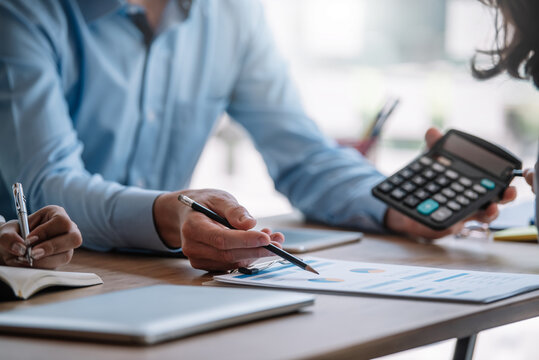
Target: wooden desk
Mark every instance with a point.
(337, 327)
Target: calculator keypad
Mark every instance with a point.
(434, 190)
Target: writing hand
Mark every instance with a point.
(53, 238)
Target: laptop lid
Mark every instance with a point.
(151, 314)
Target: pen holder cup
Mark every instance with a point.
(365, 147)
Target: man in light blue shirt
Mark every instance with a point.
(105, 107)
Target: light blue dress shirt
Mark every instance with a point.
(95, 121)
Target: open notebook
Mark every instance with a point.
(25, 282)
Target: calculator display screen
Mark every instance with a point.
(477, 155)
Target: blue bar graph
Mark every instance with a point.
(410, 277)
(451, 277)
(381, 284)
(406, 289)
(267, 271)
(318, 266)
(271, 276)
(442, 292)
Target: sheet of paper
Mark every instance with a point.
(391, 280)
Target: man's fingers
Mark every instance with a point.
(44, 214)
(432, 136)
(11, 242)
(509, 195)
(206, 257)
(52, 262)
(56, 225)
(529, 175)
(227, 206)
(14, 261)
(201, 229)
(57, 245)
(277, 238)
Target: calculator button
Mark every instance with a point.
(406, 173)
(409, 187)
(425, 161)
(453, 175)
(457, 187)
(440, 198)
(438, 167)
(471, 194)
(454, 205)
(449, 193)
(487, 183)
(427, 207)
(441, 214)
(429, 174)
(479, 189)
(443, 181)
(419, 180)
(416, 166)
(396, 180)
(465, 181)
(462, 200)
(421, 194)
(411, 201)
(385, 187)
(398, 194)
(432, 187)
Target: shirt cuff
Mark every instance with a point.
(362, 211)
(133, 220)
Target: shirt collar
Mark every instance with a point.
(93, 9)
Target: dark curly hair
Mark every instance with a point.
(517, 41)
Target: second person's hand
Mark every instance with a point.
(208, 244)
(401, 223)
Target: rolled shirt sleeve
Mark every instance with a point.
(39, 146)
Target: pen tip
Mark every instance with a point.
(308, 268)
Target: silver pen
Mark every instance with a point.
(22, 215)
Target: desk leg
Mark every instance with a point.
(464, 348)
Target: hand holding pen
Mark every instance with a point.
(208, 244)
(51, 235)
(221, 220)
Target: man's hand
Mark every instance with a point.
(53, 238)
(208, 244)
(400, 223)
(528, 175)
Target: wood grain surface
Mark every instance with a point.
(336, 327)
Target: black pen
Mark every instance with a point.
(214, 216)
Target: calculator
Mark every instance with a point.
(458, 176)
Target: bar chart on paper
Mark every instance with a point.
(391, 280)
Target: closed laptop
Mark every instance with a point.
(151, 314)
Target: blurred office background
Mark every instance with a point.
(347, 57)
